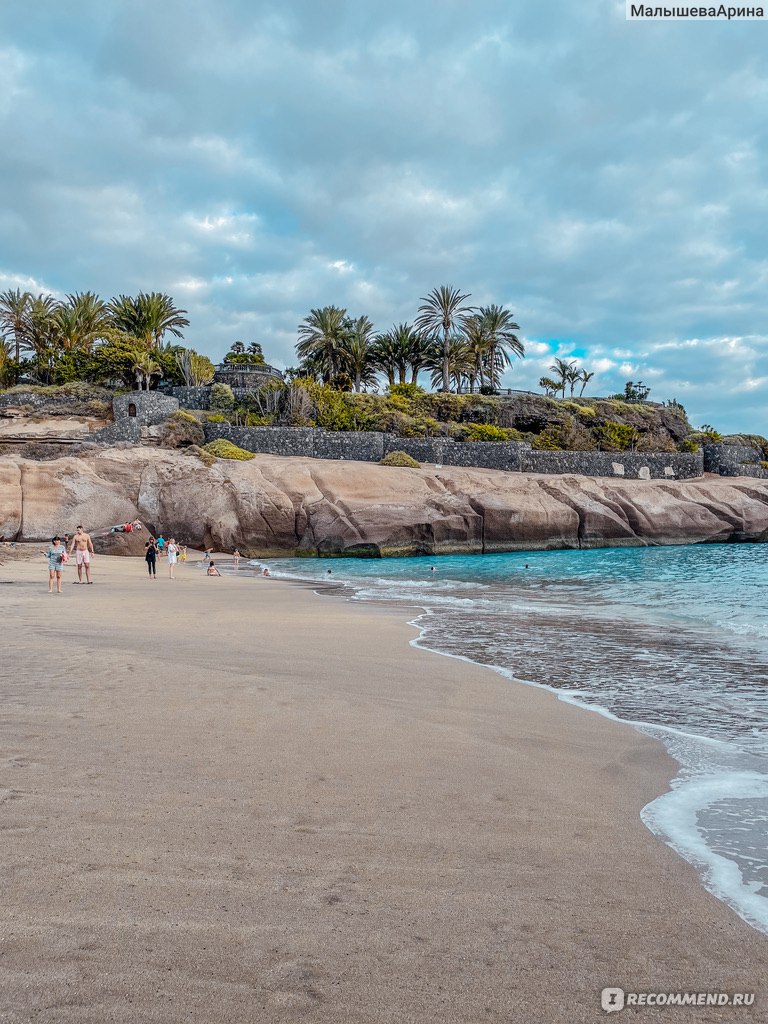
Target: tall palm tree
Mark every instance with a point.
(442, 313)
(149, 316)
(499, 330)
(478, 344)
(83, 320)
(322, 334)
(585, 378)
(42, 332)
(14, 307)
(357, 352)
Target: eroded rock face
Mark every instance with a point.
(274, 505)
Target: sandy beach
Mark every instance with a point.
(231, 800)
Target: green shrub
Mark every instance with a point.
(688, 445)
(222, 398)
(617, 437)
(224, 449)
(181, 430)
(216, 417)
(409, 391)
(400, 459)
(487, 432)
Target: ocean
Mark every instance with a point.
(673, 640)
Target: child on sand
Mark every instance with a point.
(212, 570)
(57, 559)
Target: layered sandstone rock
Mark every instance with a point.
(274, 505)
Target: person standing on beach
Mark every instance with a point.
(57, 556)
(236, 558)
(82, 545)
(173, 555)
(150, 556)
(160, 543)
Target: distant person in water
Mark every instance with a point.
(82, 545)
(207, 555)
(212, 570)
(173, 555)
(150, 555)
(265, 571)
(57, 558)
(236, 558)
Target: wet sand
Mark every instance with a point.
(230, 800)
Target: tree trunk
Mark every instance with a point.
(414, 374)
(446, 379)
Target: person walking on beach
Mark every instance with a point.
(173, 556)
(82, 545)
(57, 559)
(160, 543)
(150, 556)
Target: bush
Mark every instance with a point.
(400, 459)
(487, 432)
(617, 437)
(222, 398)
(409, 391)
(216, 417)
(181, 430)
(688, 445)
(224, 449)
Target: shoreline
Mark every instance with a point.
(386, 850)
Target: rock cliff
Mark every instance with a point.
(274, 505)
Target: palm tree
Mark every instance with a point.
(42, 331)
(322, 334)
(83, 320)
(585, 378)
(442, 311)
(457, 357)
(400, 348)
(479, 348)
(144, 369)
(551, 387)
(357, 353)
(6, 354)
(562, 369)
(574, 376)
(149, 316)
(14, 307)
(499, 328)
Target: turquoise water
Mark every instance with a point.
(673, 640)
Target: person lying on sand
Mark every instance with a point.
(212, 570)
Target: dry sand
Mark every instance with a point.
(230, 800)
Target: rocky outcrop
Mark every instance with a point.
(274, 505)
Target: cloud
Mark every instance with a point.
(602, 178)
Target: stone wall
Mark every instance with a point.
(513, 456)
(121, 430)
(145, 407)
(734, 460)
(632, 465)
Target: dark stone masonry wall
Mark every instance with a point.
(514, 456)
(734, 460)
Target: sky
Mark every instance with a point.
(603, 179)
